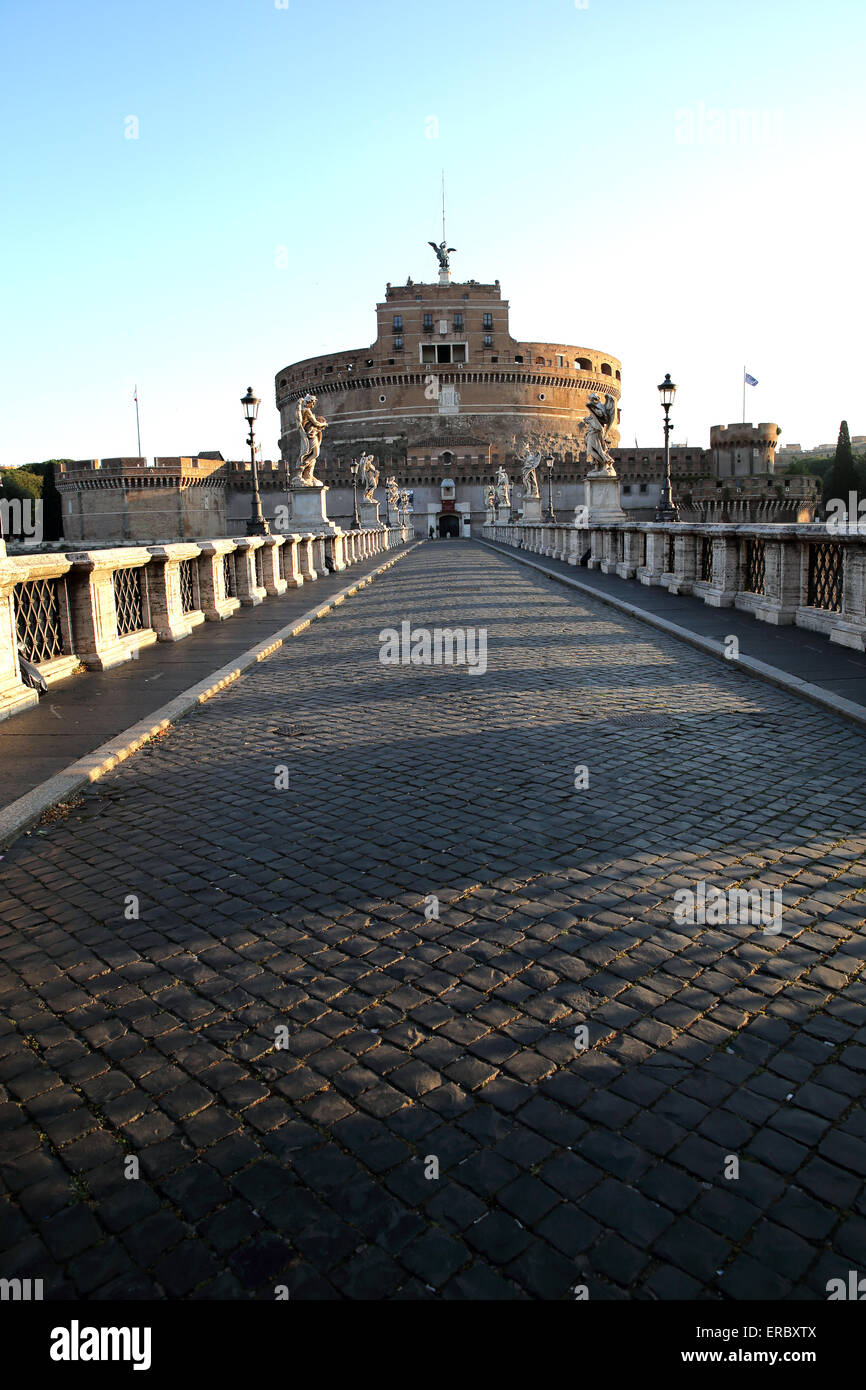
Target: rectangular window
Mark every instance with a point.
(488, 340)
(398, 323)
(443, 352)
(459, 352)
(428, 352)
(488, 320)
(398, 343)
(458, 320)
(560, 360)
(428, 323)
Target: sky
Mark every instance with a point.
(198, 193)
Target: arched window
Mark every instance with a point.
(584, 364)
(606, 369)
(539, 361)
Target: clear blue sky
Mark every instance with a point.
(595, 165)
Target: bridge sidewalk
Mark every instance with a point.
(793, 658)
(80, 715)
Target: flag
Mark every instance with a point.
(751, 380)
(135, 397)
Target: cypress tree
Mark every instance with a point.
(842, 477)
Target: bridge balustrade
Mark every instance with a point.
(808, 576)
(62, 612)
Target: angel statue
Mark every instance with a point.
(311, 427)
(404, 501)
(491, 497)
(529, 465)
(393, 493)
(368, 476)
(598, 422)
(443, 251)
(503, 491)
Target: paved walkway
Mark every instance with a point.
(419, 1043)
(79, 714)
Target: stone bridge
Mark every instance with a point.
(379, 978)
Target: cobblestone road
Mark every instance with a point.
(412, 1038)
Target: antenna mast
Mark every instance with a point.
(444, 238)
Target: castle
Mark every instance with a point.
(442, 398)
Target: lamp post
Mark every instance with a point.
(356, 520)
(666, 508)
(256, 526)
(551, 514)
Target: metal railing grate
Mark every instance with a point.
(754, 563)
(825, 576)
(189, 601)
(230, 579)
(707, 559)
(127, 601)
(260, 579)
(641, 543)
(672, 554)
(37, 619)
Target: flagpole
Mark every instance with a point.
(137, 423)
(744, 393)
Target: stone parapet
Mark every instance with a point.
(808, 575)
(62, 612)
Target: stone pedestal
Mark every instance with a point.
(601, 497)
(369, 514)
(531, 514)
(503, 514)
(307, 510)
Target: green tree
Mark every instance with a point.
(20, 483)
(842, 477)
(52, 519)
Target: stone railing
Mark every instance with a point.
(806, 575)
(65, 610)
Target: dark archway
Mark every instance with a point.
(449, 524)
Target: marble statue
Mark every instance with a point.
(393, 492)
(404, 501)
(503, 489)
(491, 497)
(443, 250)
(529, 477)
(368, 476)
(311, 427)
(598, 422)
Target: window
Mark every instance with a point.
(398, 343)
(443, 352)
(488, 321)
(518, 357)
(458, 320)
(560, 360)
(626, 487)
(428, 323)
(488, 340)
(642, 487)
(398, 323)
(605, 369)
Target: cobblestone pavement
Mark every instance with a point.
(412, 1038)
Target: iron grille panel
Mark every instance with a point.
(260, 582)
(620, 545)
(672, 551)
(230, 581)
(188, 587)
(37, 619)
(707, 559)
(641, 548)
(825, 575)
(127, 601)
(755, 562)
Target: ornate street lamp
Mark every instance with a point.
(551, 514)
(256, 526)
(666, 509)
(356, 520)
